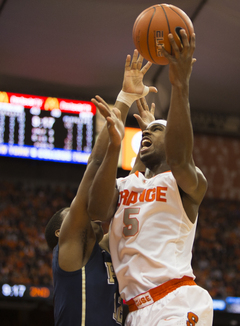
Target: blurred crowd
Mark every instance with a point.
(24, 212)
(216, 251)
(25, 258)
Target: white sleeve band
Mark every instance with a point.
(129, 98)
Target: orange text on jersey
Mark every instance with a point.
(143, 300)
(148, 195)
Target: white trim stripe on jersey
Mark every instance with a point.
(83, 296)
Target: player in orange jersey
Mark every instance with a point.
(153, 229)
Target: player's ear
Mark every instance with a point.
(57, 232)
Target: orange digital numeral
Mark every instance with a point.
(41, 292)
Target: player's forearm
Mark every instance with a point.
(102, 191)
(179, 133)
(100, 147)
(123, 108)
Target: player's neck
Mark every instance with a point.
(154, 170)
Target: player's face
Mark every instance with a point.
(152, 145)
(98, 230)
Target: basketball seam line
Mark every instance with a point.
(148, 33)
(169, 30)
(182, 20)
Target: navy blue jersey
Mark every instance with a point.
(89, 296)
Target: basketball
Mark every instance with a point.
(152, 27)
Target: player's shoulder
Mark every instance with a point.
(201, 187)
(126, 178)
(199, 171)
(202, 180)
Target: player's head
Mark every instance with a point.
(52, 230)
(53, 227)
(152, 150)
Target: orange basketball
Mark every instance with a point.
(152, 27)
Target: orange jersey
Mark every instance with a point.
(151, 237)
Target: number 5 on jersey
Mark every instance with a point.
(131, 223)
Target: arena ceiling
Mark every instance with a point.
(77, 49)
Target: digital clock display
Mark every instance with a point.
(46, 128)
(26, 291)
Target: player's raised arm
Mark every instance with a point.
(103, 194)
(179, 133)
(132, 90)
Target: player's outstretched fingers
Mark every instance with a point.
(139, 106)
(163, 51)
(174, 46)
(146, 67)
(117, 113)
(101, 100)
(128, 62)
(102, 107)
(193, 42)
(184, 38)
(104, 111)
(145, 115)
(115, 126)
(139, 62)
(134, 59)
(114, 117)
(144, 104)
(152, 109)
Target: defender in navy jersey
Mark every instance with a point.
(89, 295)
(85, 286)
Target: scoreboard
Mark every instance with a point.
(46, 128)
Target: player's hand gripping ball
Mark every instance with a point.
(152, 26)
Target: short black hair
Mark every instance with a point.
(54, 224)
